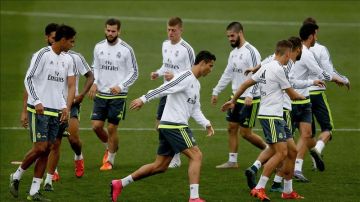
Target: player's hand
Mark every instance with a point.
(136, 104)
(154, 75)
(115, 90)
(347, 84)
(319, 83)
(78, 99)
(210, 130)
(24, 119)
(64, 115)
(338, 81)
(214, 99)
(249, 70)
(228, 105)
(168, 76)
(248, 101)
(39, 109)
(92, 91)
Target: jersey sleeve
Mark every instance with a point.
(280, 77)
(36, 67)
(133, 71)
(81, 65)
(253, 60)
(161, 70)
(198, 116)
(225, 79)
(178, 83)
(96, 66)
(314, 67)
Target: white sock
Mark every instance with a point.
(257, 164)
(194, 191)
(298, 164)
(106, 145)
(18, 173)
(111, 157)
(80, 157)
(233, 157)
(278, 179)
(48, 179)
(319, 146)
(288, 186)
(35, 186)
(126, 181)
(262, 182)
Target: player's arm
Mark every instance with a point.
(225, 79)
(132, 76)
(200, 118)
(231, 103)
(95, 69)
(88, 83)
(24, 117)
(294, 95)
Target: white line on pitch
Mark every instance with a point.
(163, 20)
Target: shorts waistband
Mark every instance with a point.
(242, 99)
(299, 102)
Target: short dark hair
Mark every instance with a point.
(204, 55)
(113, 21)
(309, 20)
(295, 41)
(173, 21)
(235, 26)
(306, 30)
(282, 46)
(64, 31)
(52, 27)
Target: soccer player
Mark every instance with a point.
(45, 81)
(319, 104)
(286, 169)
(72, 128)
(301, 110)
(115, 70)
(178, 56)
(242, 117)
(273, 81)
(183, 101)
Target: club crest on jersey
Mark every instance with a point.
(101, 53)
(240, 57)
(165, 51)
(176, 53)
(51, 62)
(118, 55)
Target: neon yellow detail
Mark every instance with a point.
(328, 108)
(33, 127)
(273, 130)
(269, 117)
(172, 126)
(243, 101)
(186, 137)
(112, 97)
(297, 102)
(49, 113)
(253, 115)
(318, 92)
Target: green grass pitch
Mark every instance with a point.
(144, 28)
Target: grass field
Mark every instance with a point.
(144, 23)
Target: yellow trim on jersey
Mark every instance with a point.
(186, 137)
(49, 113)
(270, 117)
(254, 101)
(298, 102)
(317, 92)
(111, 97)
(172, 126)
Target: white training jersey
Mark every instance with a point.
(114, 65)
(272, 81)
(177, 57)
(294, 83)
(322, 56)
(305, 67)
(183, 99)
(81, 67)
(46, 78)
(239, 60)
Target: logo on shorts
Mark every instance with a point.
(193, 139)
(38, 135)
(281, 135)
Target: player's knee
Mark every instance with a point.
(232, 129)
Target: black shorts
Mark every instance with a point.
(75, 111)
(111, 109)
(242, 114)
(174, 138)
(274, 129)
(161, 107)
(288, 125)
(301, 113)
(321, 111)
(43, 128)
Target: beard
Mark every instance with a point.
(236, 44)
(111, 41)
